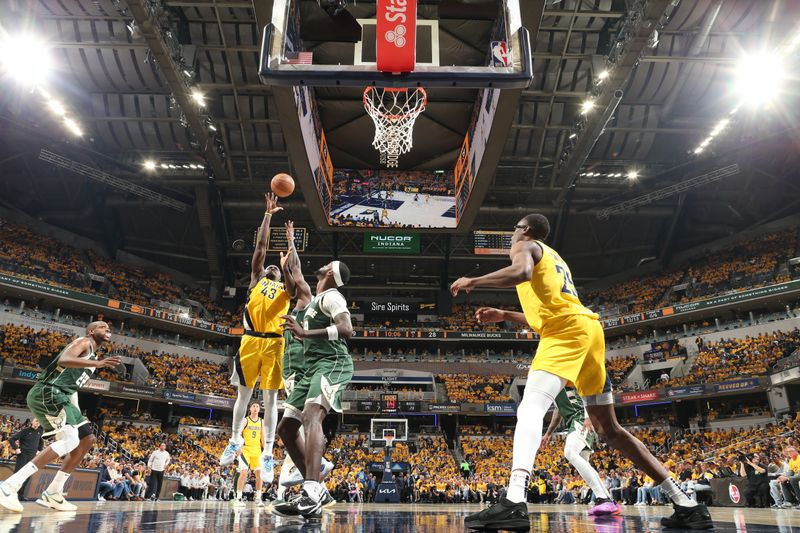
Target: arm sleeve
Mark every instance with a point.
(334, 303)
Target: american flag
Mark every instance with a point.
(299, 58)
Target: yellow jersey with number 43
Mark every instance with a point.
(550, 293)
(266, 303)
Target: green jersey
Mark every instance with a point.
(293, 356)
(68, 380)
(319, 315)
(570, 406)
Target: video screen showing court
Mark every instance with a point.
(393, 199)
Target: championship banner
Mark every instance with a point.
(396, 35)
(684, 392)
(500, 408)
(641, 396)
(391, 243)
(733, 386)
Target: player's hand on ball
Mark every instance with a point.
(488, 315)
(291, 325)
(272, 204)
(110, 362)
(461, 284)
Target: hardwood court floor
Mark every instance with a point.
(212, 516)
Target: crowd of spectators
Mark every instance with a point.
(468, 388)
(735, 358)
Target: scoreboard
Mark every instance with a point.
(389, 403)
(276, 241)
(492, 242)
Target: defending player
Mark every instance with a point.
(294, 366)
(261, 349)
(571, 350)
(329, 368)
(579, 445)
(254, 436)
(53, 400)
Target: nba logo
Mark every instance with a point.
(500, 54)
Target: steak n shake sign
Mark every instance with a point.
(391, 243)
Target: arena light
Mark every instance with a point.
(603, 74)
(73, 127)
(633, 175)
(149, 164)
(26, 58)
(56, 107)
(759, 78)
(199, 98)
(587, 106)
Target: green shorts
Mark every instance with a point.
(589, 438)
(53, 409)
(294, 366)
(322, 383)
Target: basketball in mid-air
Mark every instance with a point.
(282, 185)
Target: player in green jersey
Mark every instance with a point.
(579, 445)
(294, 364)
(53, 400)
(329, 368)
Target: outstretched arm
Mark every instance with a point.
(293, 273)
(522, 262)
(487, 315)
(260, 252)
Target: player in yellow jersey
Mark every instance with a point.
(571, 351)
(254, 435)
(260, 353)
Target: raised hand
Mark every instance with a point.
(272, 203)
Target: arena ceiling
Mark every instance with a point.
(124, 92)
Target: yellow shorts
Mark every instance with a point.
(259, 357)
(250, 459)
(574, 348)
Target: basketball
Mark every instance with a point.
(282, 184)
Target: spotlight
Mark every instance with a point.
(573, 135)
(587, 106)
(73, 127)
(199, 98)
(164, 165)
(603, 74)
(759, 78)
(633, 175)
(721, 125)
(698, 149)
(56, 107)
(149, 164)
(212, 127)
(26, 58)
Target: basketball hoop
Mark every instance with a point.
(394, 112)
(388, 437)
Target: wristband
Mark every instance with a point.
(333, 333)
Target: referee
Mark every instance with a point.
(27, 442)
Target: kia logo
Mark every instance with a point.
(397, 36)
(385, 491)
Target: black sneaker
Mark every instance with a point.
(288, 507)
(304, 506)
(327, 499)
(504, 515)
(696, 517)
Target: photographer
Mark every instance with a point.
(757, 492)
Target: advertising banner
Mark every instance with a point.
(180, 396)
(500, 408)
(136, 389)
(683, 392)
(21, 373)
(392, 243)
(444, 407)
(737, 385)
(216, 401)
(96, 384)
(641, 396)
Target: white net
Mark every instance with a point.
(394, 112)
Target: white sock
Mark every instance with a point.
(540, 392)
(286, 467)
(243, 395)
(18, 478)
(572, 451)
(313, 489)
(517, 485)
(270, 419)
(57, 485)
(281, 492)
(676, 494)
(258, 496)
(238, 495)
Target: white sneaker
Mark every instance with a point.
(9, 499)
(229, 453)
(295, 477)
(55, 501)
(260, 503)
(100, 498)
(239, 504)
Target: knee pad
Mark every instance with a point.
(66, 440)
